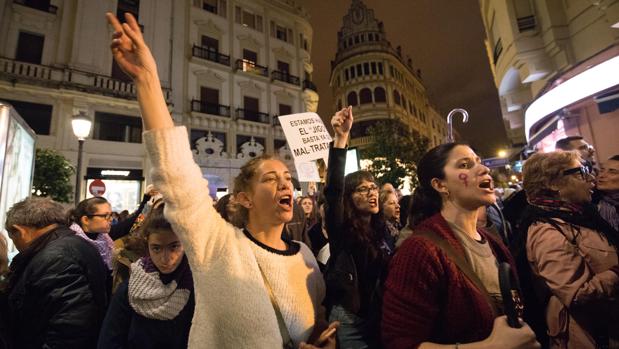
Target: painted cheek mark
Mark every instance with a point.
(464, 178)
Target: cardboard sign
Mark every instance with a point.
(307, 136)
(307, 171)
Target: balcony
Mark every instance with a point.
(252, 115)
(285, 77)
(210, 55)
(309, 85)
(35, 5)
(70, 79)
(210, 108)
(526, 23)
(251, 67)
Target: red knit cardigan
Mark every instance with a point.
(428, 299)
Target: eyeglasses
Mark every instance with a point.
(366, 190)
(106, 216)
(582, 170)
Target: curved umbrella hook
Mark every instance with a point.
(465, 118)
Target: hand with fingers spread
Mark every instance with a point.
(129, 49)
(342, 123)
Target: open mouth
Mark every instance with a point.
(486, 184)
(373, 201)
(285, 201)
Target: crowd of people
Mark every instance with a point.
(354, 265)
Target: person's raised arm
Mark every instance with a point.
(342, 123)
(135, 59)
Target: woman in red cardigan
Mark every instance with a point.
(428, 301)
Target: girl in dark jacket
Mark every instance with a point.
(154, 308)
(359, 252)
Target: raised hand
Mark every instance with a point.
(342, 123)
(130, 50)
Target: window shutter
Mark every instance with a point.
(223, 8)
(237, 15)
(259, 23)
(290, 37)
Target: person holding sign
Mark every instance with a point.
(359, 252)
(252, 288)
(443, 289)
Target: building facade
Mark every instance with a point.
(227, 67)
(379, 81)
(535, 47)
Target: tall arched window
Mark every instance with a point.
(379, 95)
(396, 97)
(365, 96)
(352, 98)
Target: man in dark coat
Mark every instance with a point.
(57, 283)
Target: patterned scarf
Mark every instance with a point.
(159, 296)
(609, 208)
(553, 204)
(103, 243)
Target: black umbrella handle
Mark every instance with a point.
(510, 291)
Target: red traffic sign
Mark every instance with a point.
(97, 187)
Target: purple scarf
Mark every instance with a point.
(103, 243)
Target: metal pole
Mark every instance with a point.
(78, 172)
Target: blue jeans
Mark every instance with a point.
(353, 331)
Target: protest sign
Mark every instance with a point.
(307, 171)
(307, 136)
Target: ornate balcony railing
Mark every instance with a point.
(66, 78)
(210, 108)
(210, 55)
(307, 84)
(526, 23)
(285, 77)
(41, 7)
(251, 67)
(252, 115)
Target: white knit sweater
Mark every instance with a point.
(233, 309)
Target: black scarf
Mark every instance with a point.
(586, 216)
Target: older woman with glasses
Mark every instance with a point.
(572, 253)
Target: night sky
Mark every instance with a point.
(444, 38)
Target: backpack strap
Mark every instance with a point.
(462, 264)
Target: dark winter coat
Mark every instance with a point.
(124, 328)
(57, 293)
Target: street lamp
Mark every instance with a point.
(81, 125)
(502, 153)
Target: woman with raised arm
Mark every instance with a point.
(442, 290)
(252, 288)
(358, 246)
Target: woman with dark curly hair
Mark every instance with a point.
(442, 290)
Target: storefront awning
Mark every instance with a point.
(586, 84)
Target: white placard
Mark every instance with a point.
(307, 136)
(307, 171)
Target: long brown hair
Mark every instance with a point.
(357, 230)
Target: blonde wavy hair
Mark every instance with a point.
(544, 170)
